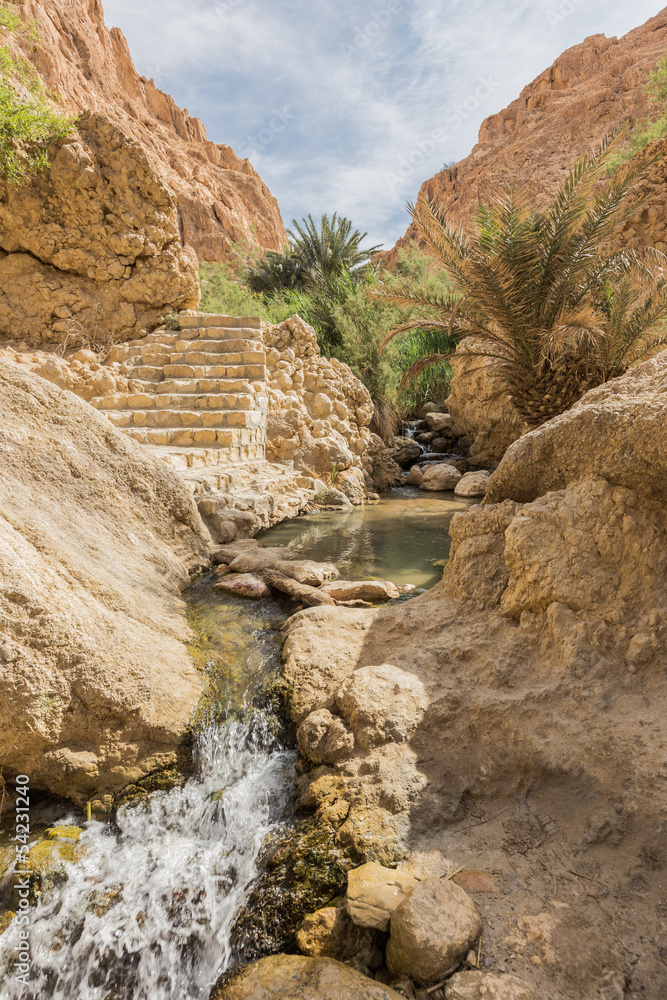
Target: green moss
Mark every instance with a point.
(302, 870)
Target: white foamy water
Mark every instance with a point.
(173, 876)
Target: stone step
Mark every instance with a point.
(227, 437)
(254, 371)
(162, 349)
(219, 320)
(195, 357)
(185, 458)
(216, 419)
(210, 386)
(184, 401)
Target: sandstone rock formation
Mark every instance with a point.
(439, 477)
(318, 410)
(374, 892)
(541, 655)
(97, 539)
(564, 112)
(90, 249)
(221, 199)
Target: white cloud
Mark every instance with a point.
(339, 102)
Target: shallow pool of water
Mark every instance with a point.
(404, 537)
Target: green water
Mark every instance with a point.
(403, 538)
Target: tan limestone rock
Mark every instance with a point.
(243, 585)
(431, 931)
(97, 540)
(472, 484)
(362, 590)
(374, 892)
(382, 703)
(440, 477)
(330, 933)
(295, 977)
(72, 271)
(324, 738)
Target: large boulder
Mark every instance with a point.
(616, 431)
(72, 270)
(96, 540)
(294, 977)
(440, 477)
(431, 931)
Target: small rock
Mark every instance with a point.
(374, 892)
(243, 585)
(472, 484)
(361, 590)
(431, 931)
(222, 569)
(440, 477)
(324, 738)
(487, 986)
(439, 421)
(85, 355)
(430, 408)
(332, 498)
(330, 933)
(415, 476)
(440, 444)
(474, 881)
(406, 451)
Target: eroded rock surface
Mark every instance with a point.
(97, 540)
(541, 655)
(90, 249)
(295, 977)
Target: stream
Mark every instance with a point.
(146, 910)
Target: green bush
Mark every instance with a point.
(26, 121)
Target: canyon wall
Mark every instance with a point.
(564, 112)
(221, 199)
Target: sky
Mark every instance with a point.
(345, 106)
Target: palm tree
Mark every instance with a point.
(539, 293)
(331, 251)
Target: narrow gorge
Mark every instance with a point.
(316, 685)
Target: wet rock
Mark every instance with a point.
(324, 738)
(295, 977)
(440, 477)
(382, 703)
(431, 931)
(225, 553)
(361, 590)
(306, 571)
(406, 451)
(331, 933)
(425, 437)
(299, 591)
(487, 986)
(439, 421)
(472, 484)
(374, 892)
(415, 476)
(222, 569)
(243, 585)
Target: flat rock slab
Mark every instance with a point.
(374, 892)
(295, 977)
(243, 585)
(361, 590)
(299, 591)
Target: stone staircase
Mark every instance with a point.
(199, 394)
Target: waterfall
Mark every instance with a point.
(147, 911)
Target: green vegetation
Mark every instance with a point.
(27, 121)
(538, 292)
(325, 276)
(647, 130)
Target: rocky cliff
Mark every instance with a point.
(220, 197)
(591, 88)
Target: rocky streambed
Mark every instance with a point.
(209, 863)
